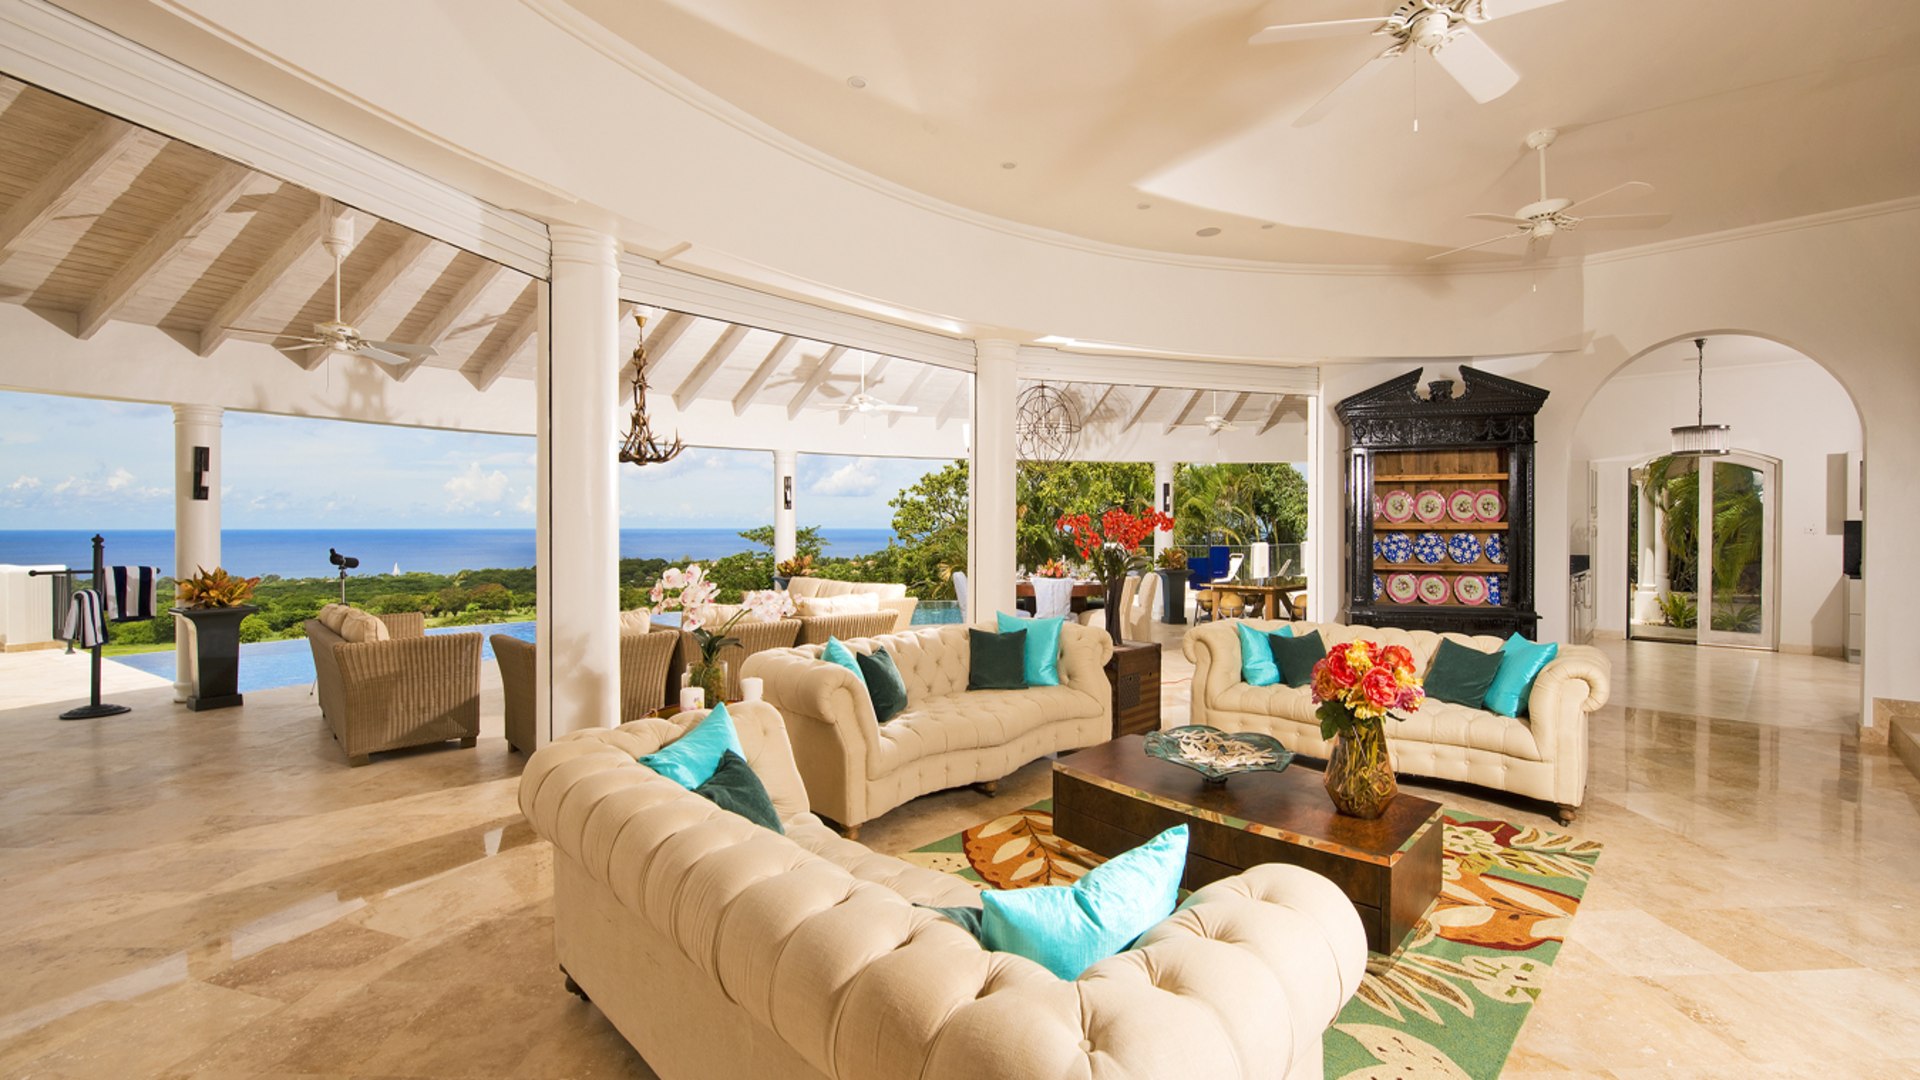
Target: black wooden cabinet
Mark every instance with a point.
(1471, 456)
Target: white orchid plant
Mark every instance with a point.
(693, 593)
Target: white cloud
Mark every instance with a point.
(855, 478)
(525, 505)
(120, 479)
(19, 438)
(474, 488)
(25, 483)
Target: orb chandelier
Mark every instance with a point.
(1045, 426)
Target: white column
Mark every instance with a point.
(1662, 581)
(579, 634)
(991, 471)
(196, 521)
(1163, 501)
(784, 530)
(1646, 591)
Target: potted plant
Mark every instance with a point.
(692, 593)
(1357, 687)
(798, 566)
(1171, 565)
(1111, 547)
(214, 605)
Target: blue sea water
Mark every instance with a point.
(294, 553)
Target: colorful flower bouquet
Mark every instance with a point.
(693, 594)
(1357, 686)
(1052, 568)
(1111, 548)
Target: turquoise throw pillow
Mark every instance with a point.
(1067, 928)
(735, 786)
(1256, 657)
(1043, 647)
(691, 759)
(1521, 662)
(836, 652)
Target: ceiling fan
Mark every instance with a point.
(1539, 222)
(1216, 422)
(336, 336)
(1444, 28)
(863, 402)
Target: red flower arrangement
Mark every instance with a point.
(1112, 547)
(1362, 682)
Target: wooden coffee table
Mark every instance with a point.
(1113, 797)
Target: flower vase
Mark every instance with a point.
(1114, 586)
(1359, 773)
(711, 678)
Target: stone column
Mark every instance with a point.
(196, 521)
(784, 484)
(579, 634)
(1646, 591)
(992, 462)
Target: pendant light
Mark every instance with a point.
(1701, 439)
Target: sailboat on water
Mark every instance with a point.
(396, 569)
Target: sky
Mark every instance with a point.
(73, 463)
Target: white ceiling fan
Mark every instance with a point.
(863, 402)
(336, 336)
(1216, 421)
(1539, 222)
(1444, 28)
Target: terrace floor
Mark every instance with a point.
(217, 894)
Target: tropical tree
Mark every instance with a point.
(930, 524)
(1045, 491)
(1239, 503)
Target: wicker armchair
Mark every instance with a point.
(407, 691)
(816, 629)
(645, 660)
(754, 637)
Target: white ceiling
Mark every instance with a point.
(1738, 112)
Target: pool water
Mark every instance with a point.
(268, 664)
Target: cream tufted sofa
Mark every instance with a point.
(1542, 755)
(893, 597)
(719, 948)
(857, 769)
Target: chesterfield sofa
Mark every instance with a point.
(857, 769)
(721, 948)
(1542, 755)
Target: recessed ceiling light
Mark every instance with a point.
(1009, 164)
(856, 82)
(1211, 230)
(1144, 206)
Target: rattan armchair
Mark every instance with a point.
(645, 661)
(409, 690)
(754, 637)
(816, 629)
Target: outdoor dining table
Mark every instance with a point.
(1082, 592)
(1275, 594)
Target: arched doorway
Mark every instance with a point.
(1771, 518)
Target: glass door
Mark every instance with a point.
(1738, 551)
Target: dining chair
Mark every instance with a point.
(1052, 597)
(1206, 600)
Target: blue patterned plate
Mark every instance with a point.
(1430, 547)
(1496, 548)
(1463, 547)
(1496, 588)
(1379, 587)
(1396, 547)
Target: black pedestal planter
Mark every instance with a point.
(1173, 596)
(216, 652)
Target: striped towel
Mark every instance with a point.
(85, 627)
(132, 592)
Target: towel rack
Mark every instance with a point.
(95, 707)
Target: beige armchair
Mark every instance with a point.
(893, 597)
(645, 660)
(857, 769)
(1136, 608)
(407, 690)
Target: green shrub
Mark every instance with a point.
(395, 603)
(490, 596)
(256, 628)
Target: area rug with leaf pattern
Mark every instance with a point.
(1450, 1004)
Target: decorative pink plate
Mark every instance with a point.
(1396, 506)
(1376, 505)
(1460, 506)
(1489, 506)
(1401, 588)
(1434, 589)
(1470, 589)
(1429, 506)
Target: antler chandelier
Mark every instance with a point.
(639, 446)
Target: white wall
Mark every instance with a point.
(1791, 410)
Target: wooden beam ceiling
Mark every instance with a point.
(241, 305)
(919, 382)
(214, 196)
(763, 371)
(458, 311)
(1140, 410)
(488, 369)
(709, 365)
(815, 379)
(1193, 400)
(96, 151)
(380, 284)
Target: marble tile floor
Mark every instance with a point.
(218, 895)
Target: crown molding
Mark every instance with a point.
(1750, 232)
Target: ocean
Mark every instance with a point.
(295, 553)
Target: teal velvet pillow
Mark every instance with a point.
(690, 759)
(1295, 656)
(1067, 928)
(885, 687)
(1043, 647)
(968, 917)
(1256, 657)
(1521, 662)
(1462, 674)
(734, 786)
(836, 652)
(996, 661)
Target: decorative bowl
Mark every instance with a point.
(1216, 754)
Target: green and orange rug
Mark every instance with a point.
(1449, 1004)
